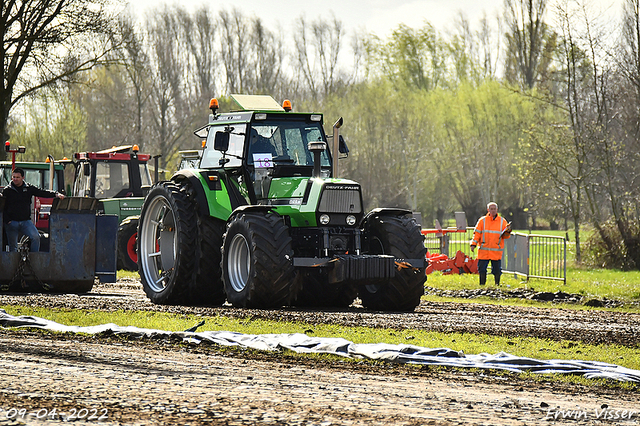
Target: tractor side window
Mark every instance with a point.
(112, 180)
(82, 181)
(211, 157)
(145, 176)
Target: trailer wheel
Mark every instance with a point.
(127, 244)
(317, 292)
(166, 249)
(257, 261)
(207, 289)
(399, 236)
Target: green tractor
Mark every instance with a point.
(263, 221)
(119, 177)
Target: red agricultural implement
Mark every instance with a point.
(460, 263)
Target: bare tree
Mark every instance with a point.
(135, 63)
(267, 51)
(168, 53)
(526, 38)
(318, 46)
(46, 41)
(234, 50)
(201, 33)
(629, 57)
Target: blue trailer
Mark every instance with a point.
(80, 247)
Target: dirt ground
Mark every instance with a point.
(52, 378)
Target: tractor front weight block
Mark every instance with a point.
(353, 268)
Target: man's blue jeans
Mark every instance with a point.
(15, 228)
(496, 270)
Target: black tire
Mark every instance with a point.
(128, 244)
(166, 249)
(316, 292)
(257, 257)
(207, 289)
(399, 236)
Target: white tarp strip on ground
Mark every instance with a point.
(379, 351)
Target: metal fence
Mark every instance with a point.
(526, 255)
(536, 256)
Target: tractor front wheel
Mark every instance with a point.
(257, 257)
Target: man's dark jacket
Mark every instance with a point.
(18, 200)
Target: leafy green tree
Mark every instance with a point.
(51, 125)
(482, 128)
(414, 58)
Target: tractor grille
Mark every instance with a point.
(340, 198)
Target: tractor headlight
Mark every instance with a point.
(351, 220)
(324, 219)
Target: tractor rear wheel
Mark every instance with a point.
(166, 249)
(127, 242)
(399, 236)
(257, 266)
(207, 289)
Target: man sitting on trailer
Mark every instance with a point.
(17, 209)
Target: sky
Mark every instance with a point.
(375, 16)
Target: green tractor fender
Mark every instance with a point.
(251, 209)
(216, 195)
(194, 179)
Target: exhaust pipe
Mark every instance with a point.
(52, 171)
(335, 149)
(317, 148)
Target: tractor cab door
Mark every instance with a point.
(82, 180)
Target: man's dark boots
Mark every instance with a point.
(483, 279)
(497, 277)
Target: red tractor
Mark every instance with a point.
(120, 178)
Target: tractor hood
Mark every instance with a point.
(305, 200)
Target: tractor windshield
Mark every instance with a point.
(112, 180)
(285, 141)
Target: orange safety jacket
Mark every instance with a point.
(489, 236)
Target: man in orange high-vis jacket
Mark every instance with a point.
(489, 234)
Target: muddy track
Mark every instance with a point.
(109, 380)
(589, 326)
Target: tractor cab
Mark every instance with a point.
(119, 172)
(119, 177)
(265, 144)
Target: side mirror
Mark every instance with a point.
(221, 141)
(342, 146)
(86, 169)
